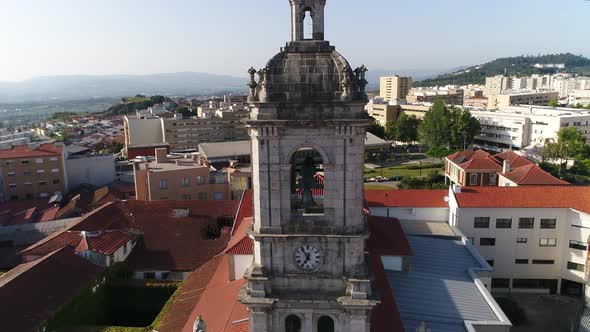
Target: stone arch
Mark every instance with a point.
(307, 181)
(292, 322)
(316, 147)
(319, 322)
(307, 20)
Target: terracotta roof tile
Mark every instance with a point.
(38, 289)
(481, 164)
(108, 242)
(526, 197)
(406, 198)
(24, 151)
(246, 209)
(241, 243)
(515, 159)
(532, 174)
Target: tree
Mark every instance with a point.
(157, 99)
(434, 128)
(185, 111)
(437, 152)
(553, 103)
(405, 129)
(116, 147)
(570, 145)
(377, 130)
(463, 129)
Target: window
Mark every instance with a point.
(490, 262)
(547, 242)
(12, 185)
(218, 196)
(163, 184)
(481, 222)
(201, 180)
(42, 183)
(487, 241)
(9, 162)
(54, 170)
(575, 266)
(202, 196)
(578, 245)
(10, 174)
(40, 171)
(149, 275)
(504, 223)
(548, 223)
(526, 223)
(56, 181)
(543, 261)
(186, 197)
(521, 261)
(39, 161)
(500, 283)
(27, 173)
(53, 159)
(186, 182)
(473, 179)
(493, 178)
(43, 195)
(292, 324)
(28, 183)
(24, 162)
(521, 240)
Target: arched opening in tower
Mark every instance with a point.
(307, 181)
(292, 324)
(325, 324)
(308, 25)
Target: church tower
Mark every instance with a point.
(307, 129)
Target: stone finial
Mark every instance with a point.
(361, 80)
(200, 325)
(252, 85)
(263, 84)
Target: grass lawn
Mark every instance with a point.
(399, 171)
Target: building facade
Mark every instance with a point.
(450, 95)
(382, 111)
(394, 87)
(31, 171)
(309, 271)
(510, 98)
(178, 179)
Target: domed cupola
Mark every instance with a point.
(307, 69)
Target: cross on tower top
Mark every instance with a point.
(299, 10)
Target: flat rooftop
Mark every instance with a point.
(427, 228)
(438, 289)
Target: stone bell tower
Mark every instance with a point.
(307, 129)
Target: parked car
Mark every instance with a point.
(395, 178)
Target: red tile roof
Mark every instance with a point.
(574, 197)
(515, 159)
(219, 305)
(24, 151)
(49, 214)
(387, 237)
(460, 156)
(481, 164)
(37, 290)
(246, 209)
(241, 243)
(406, 198)
(531, 175)
(187, 296)
(105, 243)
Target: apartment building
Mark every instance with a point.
(178, 178)
(184, 133)
(31, 171)
(499, 84)
(579, 97)
(395, 87)
(535, 238)
(450, 95)
(512, 97)
(383, 111)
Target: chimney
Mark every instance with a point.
(161, 155)
(457, 189)
(506, 167)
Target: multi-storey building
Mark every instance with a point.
(450, 95)
(31, 171)
(178, 179)
(383, 111)
(395, 87)
(508, 98)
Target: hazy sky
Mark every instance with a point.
(63, 37)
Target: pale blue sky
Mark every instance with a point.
(64, 37)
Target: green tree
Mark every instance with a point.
(463, 129)
(185, 111)
(116, 147)
(437, 152)
(553, 103)
(405, 129)
(570, 145)
(434, 129)
(377, 130)
(157, 99)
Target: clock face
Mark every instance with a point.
(308, 257)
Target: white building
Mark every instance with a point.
(518, 127)
(535, 238)
(579, 97)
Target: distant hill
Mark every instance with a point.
(116, 86)
(518, 66)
